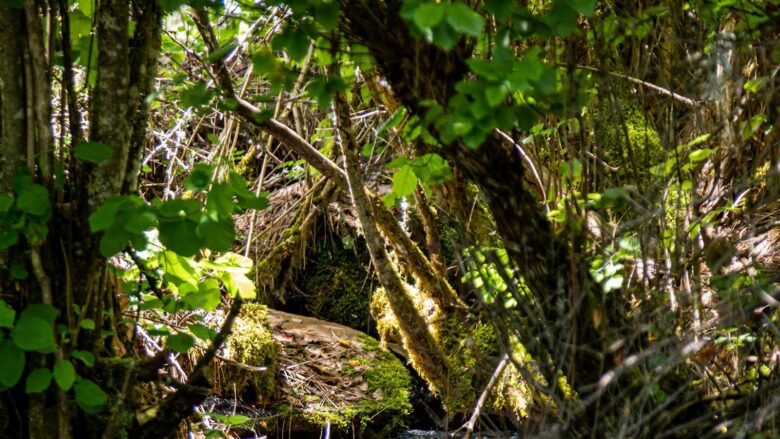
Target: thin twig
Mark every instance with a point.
(658, 89)
(469, 425)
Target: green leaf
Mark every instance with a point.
(700, 154)
(404, 181)
(180, 236)
(464, 20)
(294, 40)
(253, 202)
(7, 315)
(88, 324)
(18, 272)
(495, 95)
(207, 296)
(238, 185)
(8, 237)
(231, 262)
(140, 220)
(499, 8)
(431, 168)
(179, 208)
(42, 311)
(219, 201)
(232, 420)
(6, 201)
(584, 7)
(202, 332)
(93, 152)
(33, 334)
(38, 380)
(34, 200)
(114, 240)
(392, 122)
(106, 214)
(64, 374)
(181, 342)
(756, 84)
(612, 283)
(571, 172)
(429, 14)
(179, 267)
(264, 62)
(85, 356)
(327, 15)
(221, 52)
(12, 366)
(199, 177)
(89, 396)
(239, 285)
(195, 96)
(22, 179)
(444, 37)
(217, 236)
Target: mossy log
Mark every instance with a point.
(316, 373)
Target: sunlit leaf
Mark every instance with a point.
(404, 181)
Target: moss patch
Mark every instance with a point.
(251, 343)
(332, 374)
(386, 395)
(338, 285)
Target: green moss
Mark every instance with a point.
(629, 140)
(468, 346)
(386, 402)
(338, 284)
(251, 343)
(472, 348)
(388, 376)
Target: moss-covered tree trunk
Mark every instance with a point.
(563, 297)
(427, 356)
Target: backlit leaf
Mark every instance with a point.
(404, 181)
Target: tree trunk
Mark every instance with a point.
(418, 71)
(66, 268)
